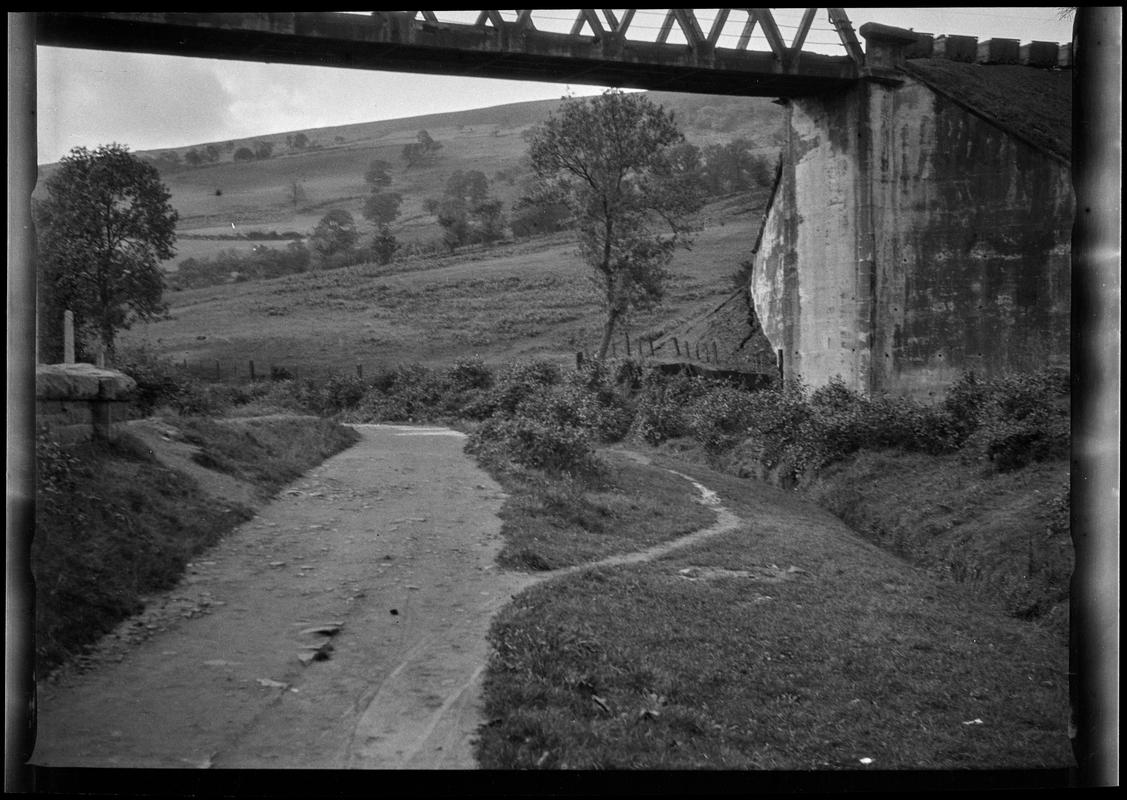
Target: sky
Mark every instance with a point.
(87, 98)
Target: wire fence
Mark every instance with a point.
(708, 353)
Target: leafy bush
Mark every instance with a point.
(721, 417)
(408, 393)
(159, 381)
(470, 373)
(660, 411)
(515, 383)
(1013, 420)
(550, 446)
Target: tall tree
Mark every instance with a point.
(608, 159)
(336, 233)
(382, 208)
(104, 227)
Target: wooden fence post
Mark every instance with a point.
(715, 355)
(217, 369)
(676, 346)
(651, 346)
(360, 371)
(626, 335)
(252, 370)
(579, 360)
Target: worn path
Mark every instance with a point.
(394, 541)
(344, 627)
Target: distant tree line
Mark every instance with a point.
(233, 266)
(467, 212)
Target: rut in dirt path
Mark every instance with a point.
(392, 543)
(344, 627)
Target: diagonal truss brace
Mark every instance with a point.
(787, 56)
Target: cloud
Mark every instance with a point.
(142, 101)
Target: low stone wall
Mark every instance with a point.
(77, 402)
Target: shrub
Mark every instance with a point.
(470, 373)
(515, 383)
(602, 416)
(408, 393)
(159, 381)
(549, 446)
(1013, 420)
(721, 417)
(660, 410)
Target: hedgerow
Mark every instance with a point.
(791, 431)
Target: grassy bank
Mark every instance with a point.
(549, 524)
(774, 647)
(975, 488)
(789, 643)
(114, 524)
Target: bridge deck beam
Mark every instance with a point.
(397, 42)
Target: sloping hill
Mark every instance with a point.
(295, 187)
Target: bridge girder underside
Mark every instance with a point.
(597, 51)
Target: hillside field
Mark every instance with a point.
(294, 188)
(519, 300)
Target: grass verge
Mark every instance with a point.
(554, 522)
(114, 524)
(744, 663)
(268, 452)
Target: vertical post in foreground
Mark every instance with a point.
(1096, 308)
(19, 599)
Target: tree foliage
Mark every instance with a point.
(233, 266)
(422, 151)
(384, 245)
(610, 160)
(104, 227)
(382, 208)
(466, 212)
(733, 167)
(378, 173)
(335, 234)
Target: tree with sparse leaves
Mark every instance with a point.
(608, 158)
(422, 151)
(104, 227)
(378, 173)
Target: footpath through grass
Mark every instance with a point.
(551, 523)
(788, 644)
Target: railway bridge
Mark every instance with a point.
(922, 225)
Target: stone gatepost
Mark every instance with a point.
(81, 401)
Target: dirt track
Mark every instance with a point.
(394, 540)
(344, 627)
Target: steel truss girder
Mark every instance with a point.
(597, 51)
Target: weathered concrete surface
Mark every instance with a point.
(911, 239)
(81, 382)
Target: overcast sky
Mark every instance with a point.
(146, 102)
